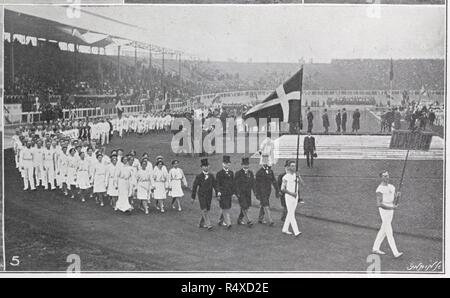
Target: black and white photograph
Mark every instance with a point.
(303, 139)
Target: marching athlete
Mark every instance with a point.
(385, 202)
(176, 182)
(290, 186)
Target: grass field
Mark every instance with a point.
(339, 222)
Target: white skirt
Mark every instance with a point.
(176, 189)
(160, 191)
(99, 184)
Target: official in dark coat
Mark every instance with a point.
(244, 183)
(344, 120)
(203, 187)
(225, 191)
(309, 149)
(355, 124)
(309, 118)
(325, 121)
(338, 121)
(264, 181)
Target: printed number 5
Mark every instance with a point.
(15, 261)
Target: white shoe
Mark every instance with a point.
(378, 252)
(298, 234)
(287, 232)
(398, 255)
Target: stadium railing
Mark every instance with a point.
(36, 117)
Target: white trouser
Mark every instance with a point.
(291, 205)
(27, 174)
(385, 231)
(48, 176)
(38, 173)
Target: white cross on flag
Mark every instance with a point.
(284, 103)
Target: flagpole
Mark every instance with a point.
(298, 132)
(401, 178)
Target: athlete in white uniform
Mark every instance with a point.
(386, 205)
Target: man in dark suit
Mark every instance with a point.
(310, 118)
(205, 183)
(309, 149)
(244, 183)
(325, 121)
(344, 120)
(338, 121)
(225, 191)
(355, 124)
(264, 181)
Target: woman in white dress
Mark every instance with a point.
(72, 163)
(144, 185)
(83, 175)
(160, 184)
(124, 187)
(176, 181)
(99, 178)
(111, 180)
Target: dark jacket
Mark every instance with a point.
(325, 120)
(309, 144)
(344, 117)
(264, 182)
(225, 183)
(244, 183)
(338, 118)
(204, 186)
(310, 117)
(280, 182)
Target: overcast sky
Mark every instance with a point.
(272, 33)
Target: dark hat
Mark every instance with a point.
(175, 161)
(204, 162)
(226, 159)
(245, 161)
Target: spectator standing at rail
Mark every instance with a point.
(355, 124)
(431, 117)
(344, 120)
(325, 121)
(309, 149)
(423, 118)
(310, 118)
(397, 119)
(338, 121)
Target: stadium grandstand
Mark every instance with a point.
(71, 67)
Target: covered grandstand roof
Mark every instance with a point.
(20, 23)
(21, 20)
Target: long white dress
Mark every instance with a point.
(160, 183)
(144, 184)
(124, 188)
(176, 180)
(111, 180)
(99, 171)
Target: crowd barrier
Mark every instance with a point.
(36, 117)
